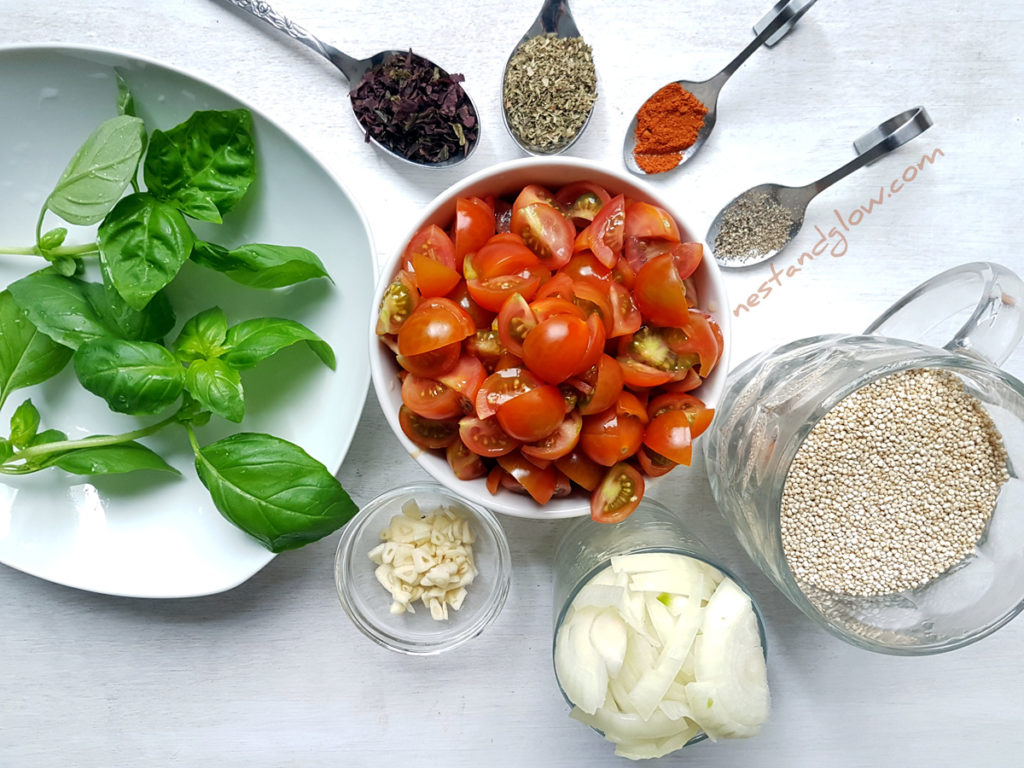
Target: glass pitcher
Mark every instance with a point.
(772, 401)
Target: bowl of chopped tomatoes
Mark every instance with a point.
(549, 338)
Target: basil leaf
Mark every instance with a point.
(273, 490)
(99, 172)
(48, 436)
(217, 387)
(143, 244)
(260, 266)
(24, 424)
(202, 336)
(125, 100)
(208, 160)
(54, 238)
(132, 376)
(251, 341)
(110, 460)
(27, 356)
(71, 311)
(6, 449)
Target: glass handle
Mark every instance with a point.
(975, 308)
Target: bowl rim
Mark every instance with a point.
(345, 556)
(504, 502)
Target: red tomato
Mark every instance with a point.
(595, 345)
(546, 232)
(653, 465)
(539, 483)
(668, 434)
(696, 337)
(581, 469)
(688, 383)
(605, 380)
(603, 236)
(557, 347)
(688, 258)
(465, 378)
(609, 437)
(485, 437)
(659, 292)
(515, 321)
(432, 277)
(433, 364)
(431, 241)
(585, 264)
(501, 386)
(427, 433)
(532, 193)
(464, 463)
(626, 317)
(637, 374)
(400, 299)
(532, 415)
(501, 255)
(698, 415)
(593, 296)
(460, 295)
(649, 358)
(486, 347)
(492, 292)
(430, 399)
(558, 443)
(435, 323)
(560, 286)
(474, 224)
(546, 307)
(644, 220)
(618, 495)
(581, 201)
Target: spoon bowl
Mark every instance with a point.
(554, 18)
(354, 70)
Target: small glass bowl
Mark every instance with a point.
(368, 604)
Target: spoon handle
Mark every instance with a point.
(884, 138)
(348, 65)
(554, 17)
(775, 25)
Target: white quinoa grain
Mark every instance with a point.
(893, 486)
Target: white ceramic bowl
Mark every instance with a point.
(505, 179)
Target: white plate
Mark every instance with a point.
(144, 534)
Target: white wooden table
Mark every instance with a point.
(272, 673)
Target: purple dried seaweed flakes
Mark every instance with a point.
(415, 109)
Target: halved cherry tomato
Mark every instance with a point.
(560, 286)
(581, 201)
(585, 264)
(688, 383)
(400, 299)
(644, 220)
(530, 194)
(557, 347)
(464, 463)
(654, 356)
(594, 296)
(515, 321)
(659, 292)
(539, 483)
(546, 232)
(432, 277)
(466, 378)
(486, 346)
(433, 242)
(491, 293)
(653, 464)
(485, 437)
(558, 443)
(609, 437)
(460, 295)
(618, 495)
(433, 364)
(669, 435)
(427, 433)
(581, 469)
(688, 258)
(435, 323)
(698, 415)
(501, 386)
(595, 345)
(501, 255)
(605, 380)
(494, 478)
(603, 236)
(532, 415)
(546, 307)
(563, 486)
(697, 337)
(626, 317)
(630, 405)
(637, 374)
(474, 224)
(430, 398)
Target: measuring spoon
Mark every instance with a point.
(894, 132)
(554, 18)
(353, 69)
(774, 26)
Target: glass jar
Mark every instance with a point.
(772, 401)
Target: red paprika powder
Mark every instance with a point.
(666, 125)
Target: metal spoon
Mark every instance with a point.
(352, 68)
(879, 141)
(774, 26)
(554, 17)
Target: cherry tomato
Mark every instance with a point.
(557, 347)
(560, 286)
(618, 495)
(464, 463)
(485, 437)
(698, 415)
(430, 398)
(400, 299)
(595, 344)
(427, 433)
(584, 264)
(501, 386)
(491, 293)
(546, 232)
(637, 374)
(581, 201)
(530, 194)
(626, 317)
(650, 354)
(432, 277)
(515, 321)
(434, 323)
(433, 364)
(605, 380)
(696, 337)
(581, 469)
(539, 483)
(474, 224)
(652, 464)
(432, 242)
(594, 296)
(668, 434)
(603, 236)
(688, 383)
(659, 292)
(465, 378)
(549, 306)
(688, 258)
(532, 415)
(609, 437)
(460, 295)
(644, 220)
(558, 443)
(501, 255)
